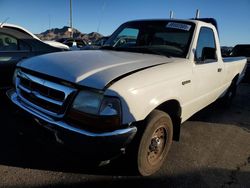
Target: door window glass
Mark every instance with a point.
(206, 40)
(9, 43)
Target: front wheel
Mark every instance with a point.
(155, 143)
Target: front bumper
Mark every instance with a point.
(102, 146)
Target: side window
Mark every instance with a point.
(206, 48)
(9, 43)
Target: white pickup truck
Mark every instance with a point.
(132, 95)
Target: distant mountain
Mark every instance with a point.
(55, 34)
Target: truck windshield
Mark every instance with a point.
(168, 38)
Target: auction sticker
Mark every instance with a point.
(180, 26)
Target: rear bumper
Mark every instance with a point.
(102, 146)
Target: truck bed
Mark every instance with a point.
(232, 59)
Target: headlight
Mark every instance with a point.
(95, 112)
(88, 102)
(96, 104)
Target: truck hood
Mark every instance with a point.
(92, 68)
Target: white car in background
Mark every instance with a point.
(16, 44)
(49, 42)
(56, 44)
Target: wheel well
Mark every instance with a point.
(235, 79)
(173, 108)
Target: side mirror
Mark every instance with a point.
(208, 53)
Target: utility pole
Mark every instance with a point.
(70, 21)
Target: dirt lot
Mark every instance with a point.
(214, 151)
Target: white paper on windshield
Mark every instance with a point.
(176, 25)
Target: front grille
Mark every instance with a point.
(42, 103)
(43, 90)
(46, 96)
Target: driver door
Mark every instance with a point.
(207, 69)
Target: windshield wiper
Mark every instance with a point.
(147, 50)
(135, 49)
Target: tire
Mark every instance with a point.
(230, 94)
(155, 142)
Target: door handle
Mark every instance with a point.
(186, 82)
(219, 69)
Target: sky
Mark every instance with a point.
(104, 16)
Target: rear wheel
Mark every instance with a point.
(155, 143)
(230, 94)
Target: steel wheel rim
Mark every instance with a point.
(157, 145)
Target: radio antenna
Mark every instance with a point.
(171, 14)
(197, 16)
(4, 22)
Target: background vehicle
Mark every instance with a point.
(225, 51)
(57, 44)
(74, 44)
(96, 44)
(101, 41)
(16, 44)
(243, 50)
(132, 95)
